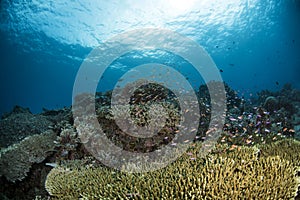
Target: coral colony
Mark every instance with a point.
(256, 157)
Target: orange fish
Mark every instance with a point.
(232, 147)
(248, 141)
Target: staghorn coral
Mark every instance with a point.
(288, 149)
(239, 174)
(17, 159)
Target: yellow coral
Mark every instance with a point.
(241, 174)
(289, 149)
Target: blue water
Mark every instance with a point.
(43, 43)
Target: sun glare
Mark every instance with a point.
(180, 6)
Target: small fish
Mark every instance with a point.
(267, 130)
(258, 123)
(277, 83)
(209, 131)
(232, 147)
(221, 70)
(232, 119)
(231, 64)
(51, 164)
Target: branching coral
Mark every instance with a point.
(289, 149)
(240, 174)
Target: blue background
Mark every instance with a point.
(255, 43)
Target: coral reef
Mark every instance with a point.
(241, 173)
(142, 113)
(256, 158)
(271, 118)
(282, 99)
(68, 145)
(142, 117)
(16, 160)
(31, 186)
(19, 124)
(271, 104)
(288, 149)
(57, 116)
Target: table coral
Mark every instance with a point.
(16, 160)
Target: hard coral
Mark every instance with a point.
(16, 160)
(288, 149)
(240, 174)
(21, 123)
